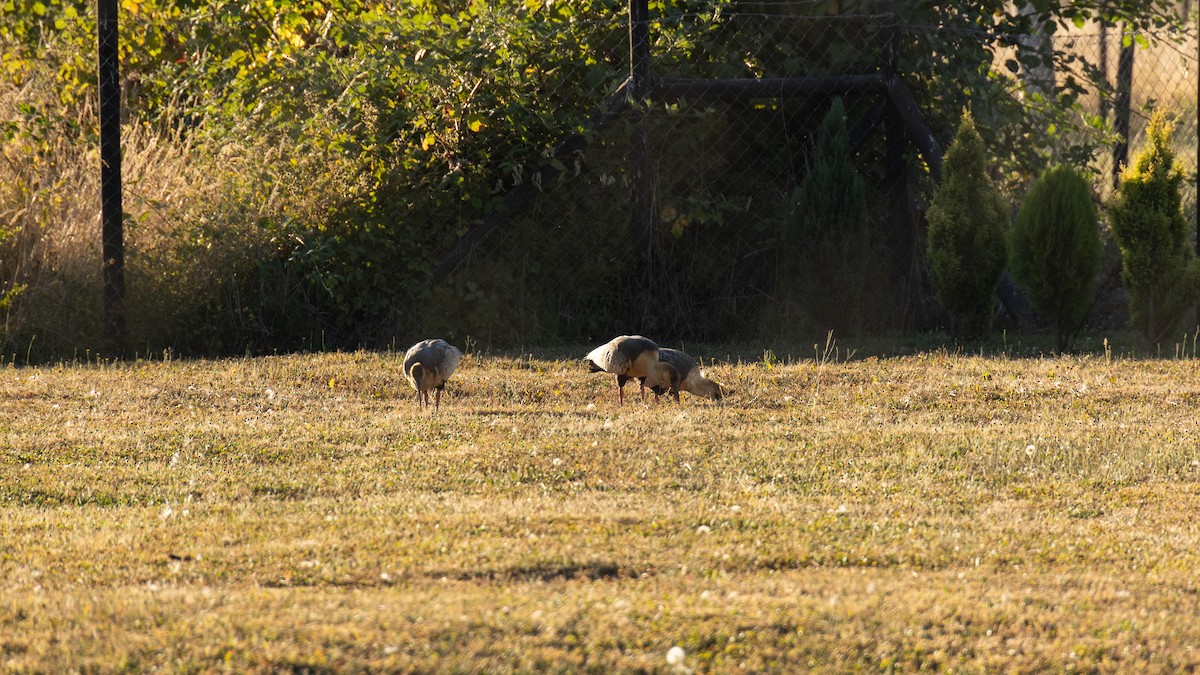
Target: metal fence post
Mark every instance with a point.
(112, 236)
(640, 201)
(896, 173)
(1122, 108)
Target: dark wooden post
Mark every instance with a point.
(1121, 109)
(111, 215)
(900, 225)
(640, 187)
(1104, 81)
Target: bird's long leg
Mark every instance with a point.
(437, 398)
(620, 391)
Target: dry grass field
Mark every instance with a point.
(301, 513)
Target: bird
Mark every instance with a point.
(691, 378)
(427, 365)
(629, 357)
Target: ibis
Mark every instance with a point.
(692, 378)
(629, 357)
(427, 365)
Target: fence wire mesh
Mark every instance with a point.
(743, 160)
(728, 169)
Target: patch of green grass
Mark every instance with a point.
(935, 510)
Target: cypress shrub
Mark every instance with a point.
(832, 271)
(1055, 249)
(1158, 267)
(968, 225)
(827, 253)
(832, 193)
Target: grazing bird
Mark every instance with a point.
(427, 365)
(691, 378)
(629, 357)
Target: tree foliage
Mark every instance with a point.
(364, 136)
(1159, 268)
(1055, 248)
(968, 226)
(951, 55)
(348, 143)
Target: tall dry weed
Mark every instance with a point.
(209, 214)
(49, 223)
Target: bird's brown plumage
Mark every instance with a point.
(629, 357)
(427, 365)
(691, 378)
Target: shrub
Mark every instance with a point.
(832, 196)
(831, 268)
(968, 223)
(1159, 269)
(1055, 249)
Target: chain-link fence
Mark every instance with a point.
(1161, 74)
(767, 172)
(729, 134)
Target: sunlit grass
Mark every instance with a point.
(935, 510)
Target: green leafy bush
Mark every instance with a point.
(1159, 268)
(968, 225)
(346, 148)
(1055, 248)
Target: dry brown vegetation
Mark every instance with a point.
(303, 513)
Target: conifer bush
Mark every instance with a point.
(832, 195)
(832, 269)
(1055, 249)
(968, 226)
(1158, 268)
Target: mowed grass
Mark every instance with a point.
(303, 513)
